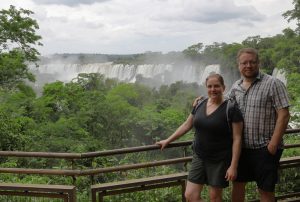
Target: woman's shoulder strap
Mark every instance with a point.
(200, 101)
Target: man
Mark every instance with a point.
(264, 103)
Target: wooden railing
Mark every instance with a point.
(74, 172)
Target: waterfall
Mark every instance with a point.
(209, 69)
(279, 74)
(161, 73)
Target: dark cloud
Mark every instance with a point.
(223, 15)
(68, 2)
(215, 13)
(242, 13)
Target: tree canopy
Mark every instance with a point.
(294, 14)
(18, 41)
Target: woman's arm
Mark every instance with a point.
(181, 130)
(237, 130)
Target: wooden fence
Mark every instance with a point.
(75, 172)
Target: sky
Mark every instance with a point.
(138, 26)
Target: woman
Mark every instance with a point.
(217, 144)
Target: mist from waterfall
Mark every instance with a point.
(161, 74)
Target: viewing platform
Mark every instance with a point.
(125, 173)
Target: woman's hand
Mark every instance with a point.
(162, 144)
(231, 174)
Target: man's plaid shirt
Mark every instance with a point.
(258, 105)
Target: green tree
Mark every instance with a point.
(193, 51)
(294, 92)
(16, 128)
(294, 14)
(13, 69)
(18, 40)
(252, 42)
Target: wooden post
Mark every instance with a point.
(183, 184)
(101, 197)
(94, 198)
(72, 195)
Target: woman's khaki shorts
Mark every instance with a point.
(208, 172)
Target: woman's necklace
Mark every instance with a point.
(212, 106)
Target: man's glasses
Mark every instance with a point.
(248, 62)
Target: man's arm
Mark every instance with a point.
(283, 116)
(196, 101)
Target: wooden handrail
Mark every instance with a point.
(133, 149)
(284, 163)
(289, 131)
(41, 171)
(287, 146)
(40, 154)
(136, 166)
(110, 152)
(96, 170)
(90, 154)
(76, 172)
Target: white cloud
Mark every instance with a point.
(122, 27)
(68, 2)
